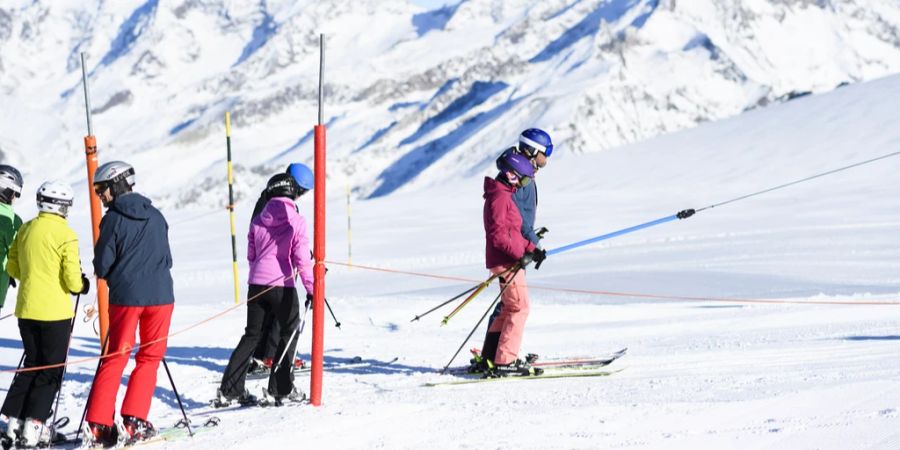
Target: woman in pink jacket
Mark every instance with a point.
(508, 252)
(278, 250)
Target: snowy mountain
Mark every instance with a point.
(412, 96)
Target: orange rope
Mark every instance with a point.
(126, 351)
(633, 294)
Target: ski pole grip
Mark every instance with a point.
(684, 214)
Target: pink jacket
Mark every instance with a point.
(502, 226)
(277, 246)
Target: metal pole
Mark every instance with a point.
(234, 263)
(318, 337)
(90, 152)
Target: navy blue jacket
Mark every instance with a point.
(525, 199)
(132, 253)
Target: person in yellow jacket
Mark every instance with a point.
(44, 258)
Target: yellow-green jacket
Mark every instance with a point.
(44, 258)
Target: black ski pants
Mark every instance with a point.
(32, 393)
(274, 304)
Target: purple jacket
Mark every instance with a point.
(277, 245)
(502, 225)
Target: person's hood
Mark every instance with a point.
(133, 205)
(277, 212)
(493, 186)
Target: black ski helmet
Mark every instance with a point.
(282, 185)
(10, 183)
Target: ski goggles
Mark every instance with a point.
(99, 189)
(531, 148)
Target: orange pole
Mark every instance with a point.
(90, 152)
(318, 335)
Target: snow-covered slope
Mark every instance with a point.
(723, 372)
(413, 96)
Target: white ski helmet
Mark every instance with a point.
(55, 197)
(117, 175)
(10, 183)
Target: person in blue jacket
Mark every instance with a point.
(536, 145)
(132, 254)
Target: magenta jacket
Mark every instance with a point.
(277, 245)
(502, 226)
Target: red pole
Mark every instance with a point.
(318, 337)
(90, 152)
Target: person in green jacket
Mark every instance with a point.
(44, 257)
(10, 189)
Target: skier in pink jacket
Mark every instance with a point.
(506, 252)
(278, 251)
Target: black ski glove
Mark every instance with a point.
(309, 301)
(526, 259)
(539, 255)
(85, 284)
(12, 282)
(540, 232)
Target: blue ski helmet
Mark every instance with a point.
(533, 141)
(511, 161)
(302, 175)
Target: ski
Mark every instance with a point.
(179, 431)
(544, 376)
(579, 363)
(355, 363)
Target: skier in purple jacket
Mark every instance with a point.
(278, 251)
(506, 253)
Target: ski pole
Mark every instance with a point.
(187, 423)
(336, 323)
(6, 316)
(303, 319)
(295, 334)
(488, 311)
(91, 390)
(484, 284)
(419, 316)
(62, 376)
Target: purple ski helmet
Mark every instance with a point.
(520, 165)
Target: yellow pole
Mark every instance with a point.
(234, 264)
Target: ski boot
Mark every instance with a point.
(295, 397)
(134, 430)
(97, 435)
(517, 368)
(260, 366)
(10, 430)
(299, 364)
(477, 364)
(223, 401)
(35, 433)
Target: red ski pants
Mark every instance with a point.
(123, 321)
(511, 321)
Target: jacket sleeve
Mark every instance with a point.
(504, 238)
(251, 245)
(71, 265)
(105, 248)
(300, 259)
(12, 262)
